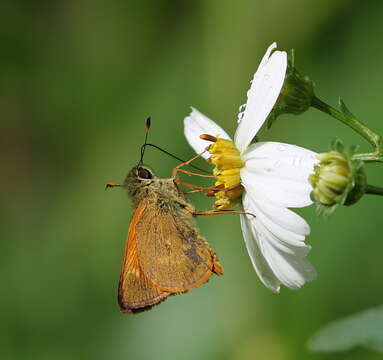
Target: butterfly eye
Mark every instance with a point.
(144, 173)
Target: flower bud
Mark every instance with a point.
(337, 179)
(330, 178)
(296, 94)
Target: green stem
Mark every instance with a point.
(346, 118)
(375, 190)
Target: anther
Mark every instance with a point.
(213, 192)
(208, 138)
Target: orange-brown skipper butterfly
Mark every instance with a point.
(164, 253)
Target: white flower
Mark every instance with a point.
(266, 177)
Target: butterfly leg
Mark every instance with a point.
(178, 167)
(112, 185)
(199, 188)
(219, 212)
(195, 174)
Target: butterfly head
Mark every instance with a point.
(139, 177)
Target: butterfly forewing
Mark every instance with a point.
(136, 292)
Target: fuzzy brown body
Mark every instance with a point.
(164, 253)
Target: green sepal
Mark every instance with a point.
(359, 183)
(337, 145)
(344, 109)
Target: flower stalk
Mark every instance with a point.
(346, 117)
(374, 190)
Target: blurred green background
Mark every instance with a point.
(77, 80)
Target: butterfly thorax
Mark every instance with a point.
(163, 194)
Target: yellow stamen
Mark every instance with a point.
(227, 161)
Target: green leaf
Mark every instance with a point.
(361, 329)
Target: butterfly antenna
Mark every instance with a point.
(147, 128)
(175, 157)
(143, 147)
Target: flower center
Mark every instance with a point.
(228, 163)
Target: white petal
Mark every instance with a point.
(266, 57)
(274, 244)
(279, 172)
(260, 265)
(277, 150)
(262, 95)
(256, 76)
(197, 124)
(292, 270)
(284, 223)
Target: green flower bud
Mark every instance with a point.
(337, 179)
(330, 178)
(296, 94)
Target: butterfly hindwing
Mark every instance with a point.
(172, 254)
